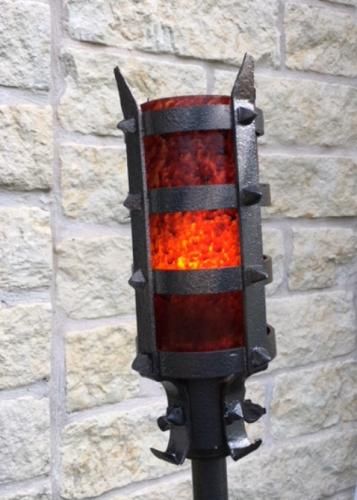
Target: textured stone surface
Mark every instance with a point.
(218, 30)
(25, 250)
(93, 275)
(24, 344)
(345, 2)
(273, 246)
(112, 450)
(24, 438)
(310, 186)
(28, 493)
(94, 183)
(302, 111)
(312, 327)
(90, 102)
(348, 377)
(25, 146)
(320, 39)
(296, 470)
(344, 495)
(179, 488)
(317, 254)
(311, 399)
(98, 363)
(25, 44)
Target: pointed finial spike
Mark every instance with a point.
(127, 100)
(243, 87)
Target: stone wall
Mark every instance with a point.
(75, 421)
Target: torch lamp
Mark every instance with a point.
(199, 271)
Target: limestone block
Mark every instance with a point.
(345, 2)
(313, 468)
(112, 450)
(24, 438)
(312, 327)
(90, 103)
(98, 363)
(94, 183)
(215, 30)
(302, 112)
(25, 250)
(348, 377)
(317, 253)
(93, 275)
(24, 344)
(25, 146)
(25, 44)
(310, 186)
(273, 246)
(28, 493)
(311, 399)
(344, 495)
(180, 488)
(320, 39)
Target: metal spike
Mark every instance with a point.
(174, 416)
(259, 357)
(243, 87)
(127, 126)
(127, 100)
(240, 452)
(233, 412)
(245, 115)
(255, 274)
(142, 364)
(251, 195)
(163, 423)
(137, 280)
(252, 411)
(172, 458)
(133, 202)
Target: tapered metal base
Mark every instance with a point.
(209, 478)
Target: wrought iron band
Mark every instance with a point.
(214, 117)
(188, 365)
(181, 199)
(186, 119)
(200, 281)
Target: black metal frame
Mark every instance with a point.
(206, 406)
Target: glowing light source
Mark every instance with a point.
(194, 240)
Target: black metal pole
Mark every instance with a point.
(209, 478)
(208, 442)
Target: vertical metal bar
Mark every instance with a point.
(146, 341)
(209, 478)
(243, 102)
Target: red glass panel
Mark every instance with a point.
(199, 322)
(194, 240)
(189, 158)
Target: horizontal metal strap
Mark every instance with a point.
(214, 117)
(188, 365)
(181, 199)
(200, 281)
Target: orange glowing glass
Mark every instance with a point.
(196, 240)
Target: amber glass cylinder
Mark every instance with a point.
(195, 240)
